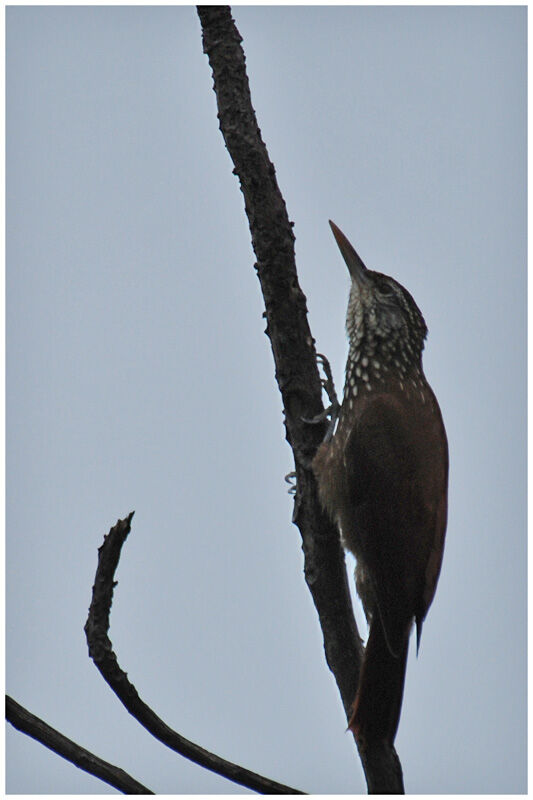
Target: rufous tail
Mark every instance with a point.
(378, 702)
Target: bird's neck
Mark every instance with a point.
(381, 371)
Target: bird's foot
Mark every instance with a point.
(327, 382)
(332, 412)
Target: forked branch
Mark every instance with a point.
(101, 651)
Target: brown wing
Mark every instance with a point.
(397, 469)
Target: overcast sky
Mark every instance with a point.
(139, 377)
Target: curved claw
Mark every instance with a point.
(289, 478)
(322, 417)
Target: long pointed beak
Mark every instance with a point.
(353, 262)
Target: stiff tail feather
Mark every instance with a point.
(378, 703)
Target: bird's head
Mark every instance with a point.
(383, 321)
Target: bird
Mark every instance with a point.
(382, 478)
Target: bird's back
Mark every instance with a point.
(385, 474)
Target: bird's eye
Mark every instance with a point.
(386, 290)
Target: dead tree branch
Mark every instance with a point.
(28, 723)
(101, 651)
(295, 363)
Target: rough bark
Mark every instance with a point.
(295, 366)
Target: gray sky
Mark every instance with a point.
(139, 377)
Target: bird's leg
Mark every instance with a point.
(332, 411)
(329, 387)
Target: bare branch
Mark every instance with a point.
(295, 362)
(101, 651)
(28, 723)
(290, 336)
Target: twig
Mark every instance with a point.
(28, 723)
(101, 651)
(296, 368)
